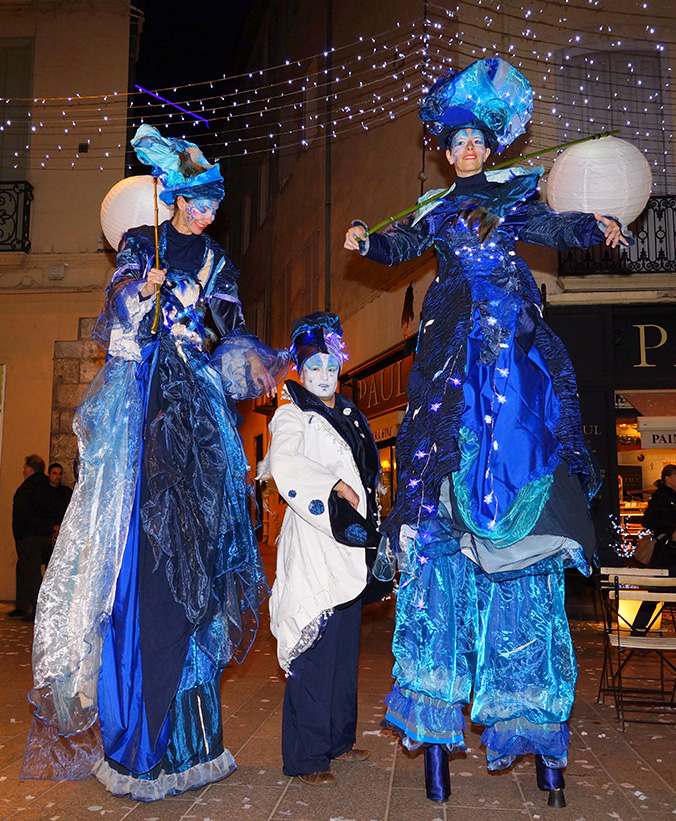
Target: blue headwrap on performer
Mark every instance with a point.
(489, 95)
(180, 166)
(319, 332)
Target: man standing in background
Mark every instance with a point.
(60, 495)
(32, 522)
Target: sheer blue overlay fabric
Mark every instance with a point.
(491, 439)
(156, 581)
(501, 643)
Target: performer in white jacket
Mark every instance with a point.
(325, 464)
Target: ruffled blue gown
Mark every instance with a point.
(156, 580)
(494, 482)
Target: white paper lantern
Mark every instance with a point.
(128, 204)
(606, 176)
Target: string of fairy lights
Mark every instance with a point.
(592, 70)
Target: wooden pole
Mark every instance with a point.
(156, 320)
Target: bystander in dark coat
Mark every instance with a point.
(32, 523)
(660, 518)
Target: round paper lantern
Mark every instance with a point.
(606, 176)
(130, 203)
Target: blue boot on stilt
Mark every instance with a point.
(551, 779)
(437, 773)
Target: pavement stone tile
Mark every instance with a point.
(254, 776)
(230, 802)
(65, 800)
(359, 795)
(272, 726)
(261, 754)
(12, 749)
(413, 805)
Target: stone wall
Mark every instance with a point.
(76, 363)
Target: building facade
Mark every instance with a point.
(59, 156)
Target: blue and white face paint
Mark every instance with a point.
(319, 375)
(468, 151)
(193, 216)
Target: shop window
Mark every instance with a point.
(645, 427)
(388, 477)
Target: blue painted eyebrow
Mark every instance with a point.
(475, 135)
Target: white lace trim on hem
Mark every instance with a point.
(141, 789)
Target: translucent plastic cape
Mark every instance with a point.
(79, 586)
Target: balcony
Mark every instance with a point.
(653, 253)
(15, 209)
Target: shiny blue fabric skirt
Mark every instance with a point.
(186, 574)
(189, 579)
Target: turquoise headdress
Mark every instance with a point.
(180, 165)
(489, 95)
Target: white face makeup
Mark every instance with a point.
(320, 375)
(468, 152)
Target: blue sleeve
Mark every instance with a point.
(134, 260)
(399, 242)
(226, 307)
(569, 229)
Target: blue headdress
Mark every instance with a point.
(319, 332)
(180, 165)
(489, 95)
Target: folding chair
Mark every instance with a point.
(644, 651)
(605, 583)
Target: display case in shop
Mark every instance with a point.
(631, 516)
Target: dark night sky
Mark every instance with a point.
(184, 42)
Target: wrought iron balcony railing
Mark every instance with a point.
(15, 210)
(653, 253)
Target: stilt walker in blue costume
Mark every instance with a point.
(494, 473)
(156, 580)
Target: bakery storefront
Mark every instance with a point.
(378, 387)
(625, 361)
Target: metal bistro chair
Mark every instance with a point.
(605, 583)
(642, 649)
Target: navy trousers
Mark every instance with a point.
(319, 720)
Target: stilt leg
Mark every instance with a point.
(551, 779)
(437, 773)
